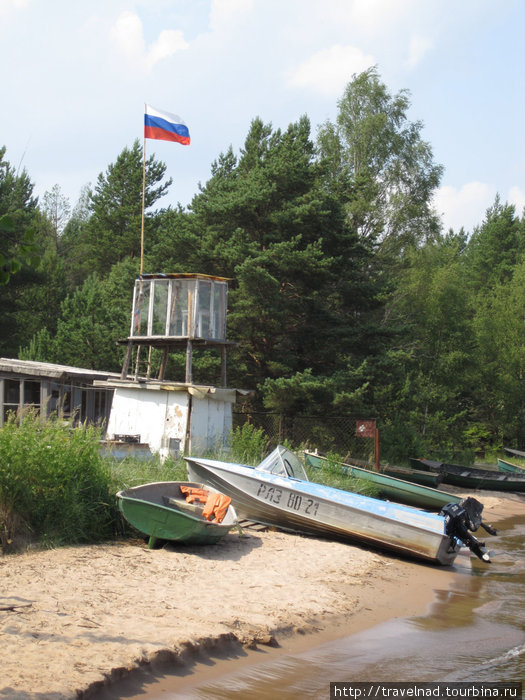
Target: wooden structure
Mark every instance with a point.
(50, 388)
(173, 312)
(171, 417)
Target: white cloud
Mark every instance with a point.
(169, 42)
(517, 197)
(128, 37)
(127, 34)
(8, 6)
(418, 48)
(329, 70)
(13, 4)
(374, 16)
(224, 13)
(464, 207)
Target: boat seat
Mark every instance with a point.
(183, 505)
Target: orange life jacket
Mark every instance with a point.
(216, 505)
(192, 494)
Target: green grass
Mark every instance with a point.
(128, 472)
(247, 445)
(56, 488)
(332, 475)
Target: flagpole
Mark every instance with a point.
(143, 202)
(139, 300)
(167, 127)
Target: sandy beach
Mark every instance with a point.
(74, 620)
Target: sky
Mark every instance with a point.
(75, 77)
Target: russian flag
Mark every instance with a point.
(165, 126)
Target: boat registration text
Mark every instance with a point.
(294, 501)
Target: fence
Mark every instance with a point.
(346, 436)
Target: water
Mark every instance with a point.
(473, 632)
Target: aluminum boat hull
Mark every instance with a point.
(318, 510)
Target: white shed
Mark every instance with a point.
(171, 417)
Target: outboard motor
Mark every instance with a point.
(462, 517)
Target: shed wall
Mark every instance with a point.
(155, 416)
(211, 422)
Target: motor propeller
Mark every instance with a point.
(463, 518)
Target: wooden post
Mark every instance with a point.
(163, 364)
(148, 370)
(189, 369)
(125, 366)
(137, 358)
(223, 365)
(378, 459)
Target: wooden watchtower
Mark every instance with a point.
(173, 312)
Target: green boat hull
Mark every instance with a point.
(472, 478)
(505, 466)
(415, 476)
(392, 488)
(159, 511)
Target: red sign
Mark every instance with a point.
(365, 428)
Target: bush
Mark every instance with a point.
(248, 444)
(57, 489)
(54, 485)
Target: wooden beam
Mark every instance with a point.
(164, 362)
(189, 361)
(125, 366)
(223, 366)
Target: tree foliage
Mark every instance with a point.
(380, 158)
(112, 232)
(496, 247)
(345, 296)
(17, 209)
(56, 207)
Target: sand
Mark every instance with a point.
(76, 619)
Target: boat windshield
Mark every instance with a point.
(283, 462)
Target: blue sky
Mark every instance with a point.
(75, 77)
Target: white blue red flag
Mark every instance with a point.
(165, 126)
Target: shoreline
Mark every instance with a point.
(85, 617)
(398, 589)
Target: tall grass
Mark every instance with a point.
(130, 471)
(54, 485)
(247, 444)
(332, 474)
(56, 488)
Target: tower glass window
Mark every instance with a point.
(180, 306)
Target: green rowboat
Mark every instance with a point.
(472, 478)
(505, 466)
(390, 487)
(415, 476)
(161, 511)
